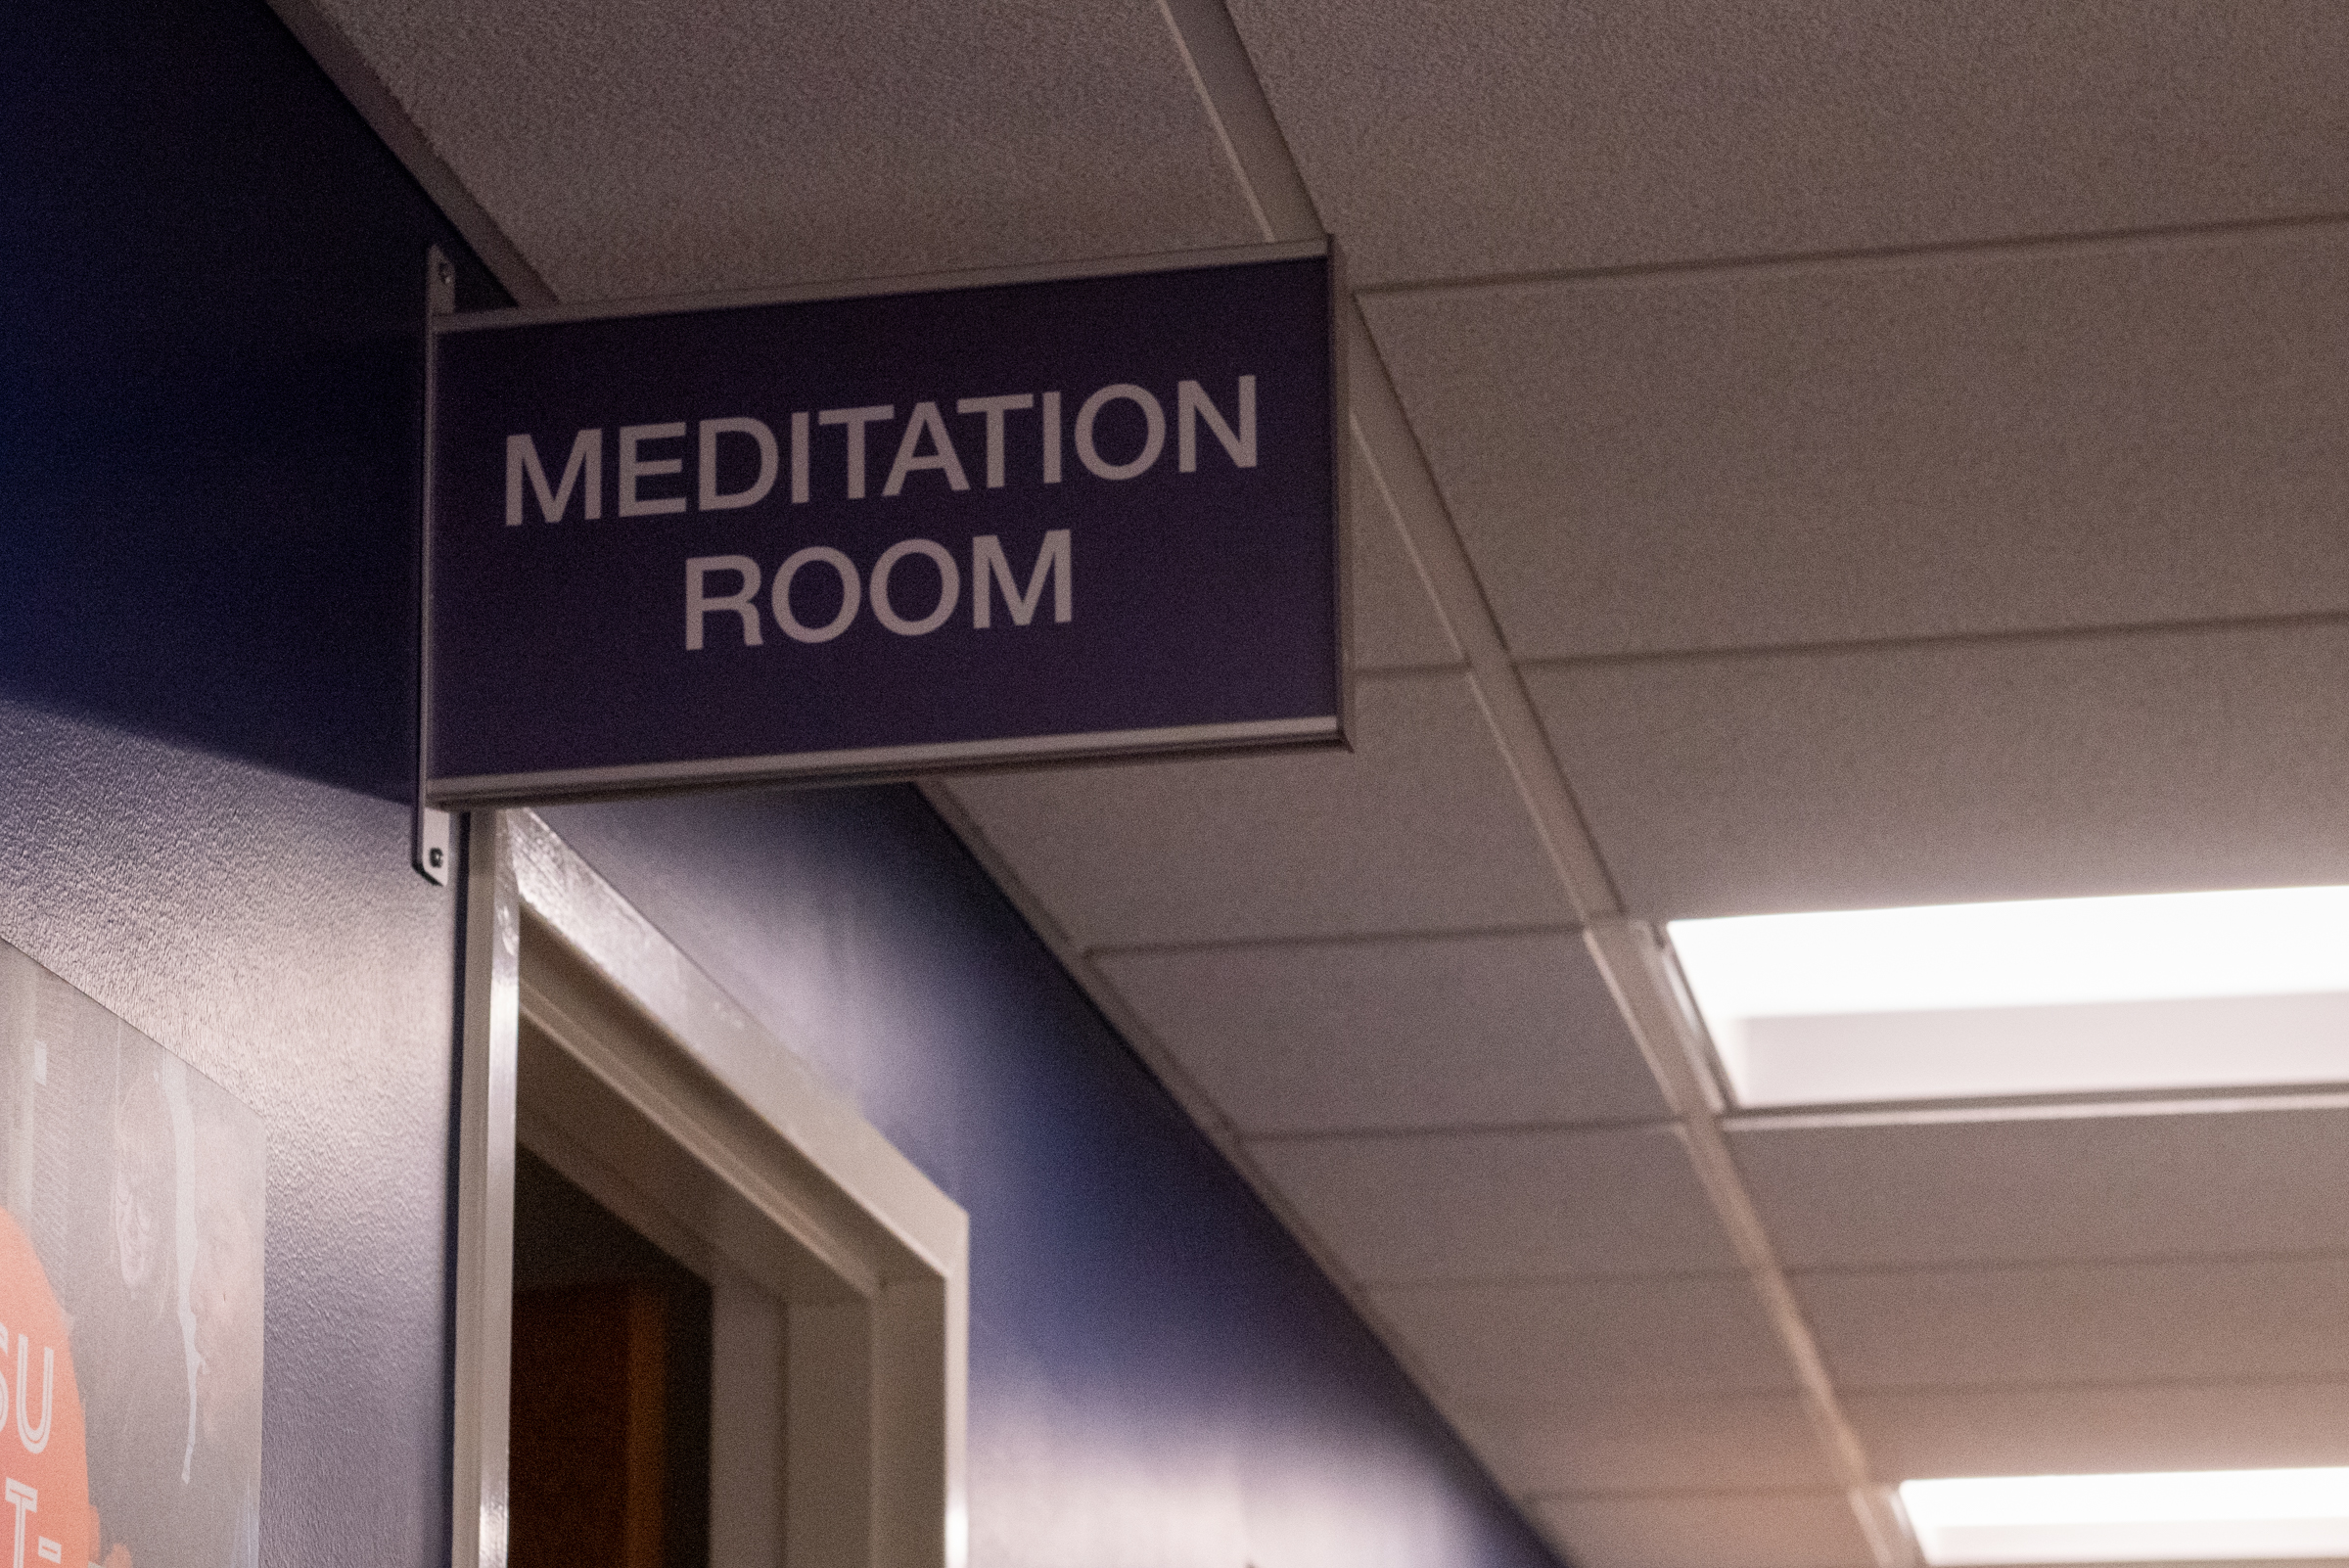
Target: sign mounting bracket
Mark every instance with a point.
(432, 843)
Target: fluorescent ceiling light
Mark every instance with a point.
(2189, 1516)
(2069, 995)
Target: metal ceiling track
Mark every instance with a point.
(1629, 952)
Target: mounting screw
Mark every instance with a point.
(430, 849)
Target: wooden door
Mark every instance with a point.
(587, 1465)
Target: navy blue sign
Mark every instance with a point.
(830, 537)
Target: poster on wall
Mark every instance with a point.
(130, 1294)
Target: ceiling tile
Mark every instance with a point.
(1583, 1341)
(2084, 437)
(2083, 1188)
(1643, 1441)
(2238, 1321)
(1709, 1529)
(1947, 772)
(1484, 136)
(1395, 1034)
(2102, 1431)
(1479, 1206)
(1418, 828)
(632, 147)
(1396, 623)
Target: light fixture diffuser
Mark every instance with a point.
(2181, 1516)
(2057, 996)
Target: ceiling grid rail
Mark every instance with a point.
(1629, 952)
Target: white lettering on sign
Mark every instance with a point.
(856, 419)
(713, 500)
(1191, 405)
(849, 595)
(587, 459)
(941, 456)
(949, 587)
(699, 602)
(1153, 427)
(633, 468)
(994, 408)
(992, 573)
(990, 569)
(1103, 438)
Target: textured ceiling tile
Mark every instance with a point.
(1644, 1441)
(2093, 1187)
(1476, 1206)
(1406, 1033)
(2099, 437)
(631, 148)
(2241, 1319)
(1579, 1342)
(2102, 1431)
(1943, 773)
(1710, 1530)
(1396, 623)
(1485, 136)
(1419, 827)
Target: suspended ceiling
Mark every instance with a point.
(1807, 455)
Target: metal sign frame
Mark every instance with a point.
(438, 794)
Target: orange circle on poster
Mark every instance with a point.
(44, 1460)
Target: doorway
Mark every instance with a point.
(608, 1450)
(707, 1314)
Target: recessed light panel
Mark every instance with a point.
(2190, 1516)
(2057, 996)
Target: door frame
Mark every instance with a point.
(667, 1100)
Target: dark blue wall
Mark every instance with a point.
(215, 275)
(208, 378)
(208, 395)
(1158, 1375)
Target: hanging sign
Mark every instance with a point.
(989, 519)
